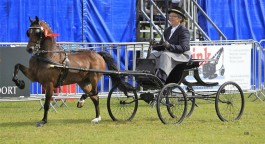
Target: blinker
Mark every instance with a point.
(37, 31)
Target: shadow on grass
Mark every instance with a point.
(52, 122)
(17, 124)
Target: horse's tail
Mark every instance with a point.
(116, 79)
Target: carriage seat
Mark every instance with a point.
(178, 74)
(146, 66)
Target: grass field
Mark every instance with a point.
(72, 125)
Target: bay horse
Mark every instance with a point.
(45, 52)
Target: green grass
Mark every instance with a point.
(72, 125)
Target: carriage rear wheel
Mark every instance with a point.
(171, 104)
(229, 102)
(121, 106)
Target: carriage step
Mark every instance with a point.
(147, 97)
(200, 83)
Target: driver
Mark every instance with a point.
(174, 48)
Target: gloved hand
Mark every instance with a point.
(166, 44)
(159, 48)
(153, 42)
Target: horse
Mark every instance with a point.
(42, 46)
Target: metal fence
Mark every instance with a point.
(125, 55)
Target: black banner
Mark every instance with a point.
(9, 57)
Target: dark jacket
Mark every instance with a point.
(179, 41)
(177, 52)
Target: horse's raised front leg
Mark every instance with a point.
(48, 95)
(24, 70)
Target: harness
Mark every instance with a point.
(63, 72)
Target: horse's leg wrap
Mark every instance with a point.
(84, 96)
(19, 83)
(81, 101)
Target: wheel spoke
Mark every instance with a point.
(171, 105)
(122, 107)
(229, 102)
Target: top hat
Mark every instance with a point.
(179, 11)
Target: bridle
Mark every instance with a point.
(39, 32)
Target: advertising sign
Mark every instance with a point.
(9, 57)
(226, 63)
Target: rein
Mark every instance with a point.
(65, 51)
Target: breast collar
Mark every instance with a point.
(63, 72)
(45, 60)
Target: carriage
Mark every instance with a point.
(52, 66)
(173, 102)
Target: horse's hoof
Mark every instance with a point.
(40, 124)
(80, 103)
(21, 84)
(96, 120)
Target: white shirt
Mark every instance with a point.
(173, 30)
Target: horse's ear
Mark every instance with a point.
(31, 21)
(37, 19)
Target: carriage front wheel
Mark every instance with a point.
(171, 104)
(229, 102)
(122, 106)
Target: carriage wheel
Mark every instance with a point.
(190, 102)
(121, 107)
(229, 102)
(171, 104)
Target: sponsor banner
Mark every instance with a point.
(226, 63)
(9, 57)
(7, 90)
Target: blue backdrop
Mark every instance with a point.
(74, 20)
(237, 19)
(115, 20)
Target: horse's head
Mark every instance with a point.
(38, 32)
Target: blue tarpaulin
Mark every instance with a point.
(109, 21)
(64, 17)
(74, 20)
(237, 19)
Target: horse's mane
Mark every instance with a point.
(46, 26)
